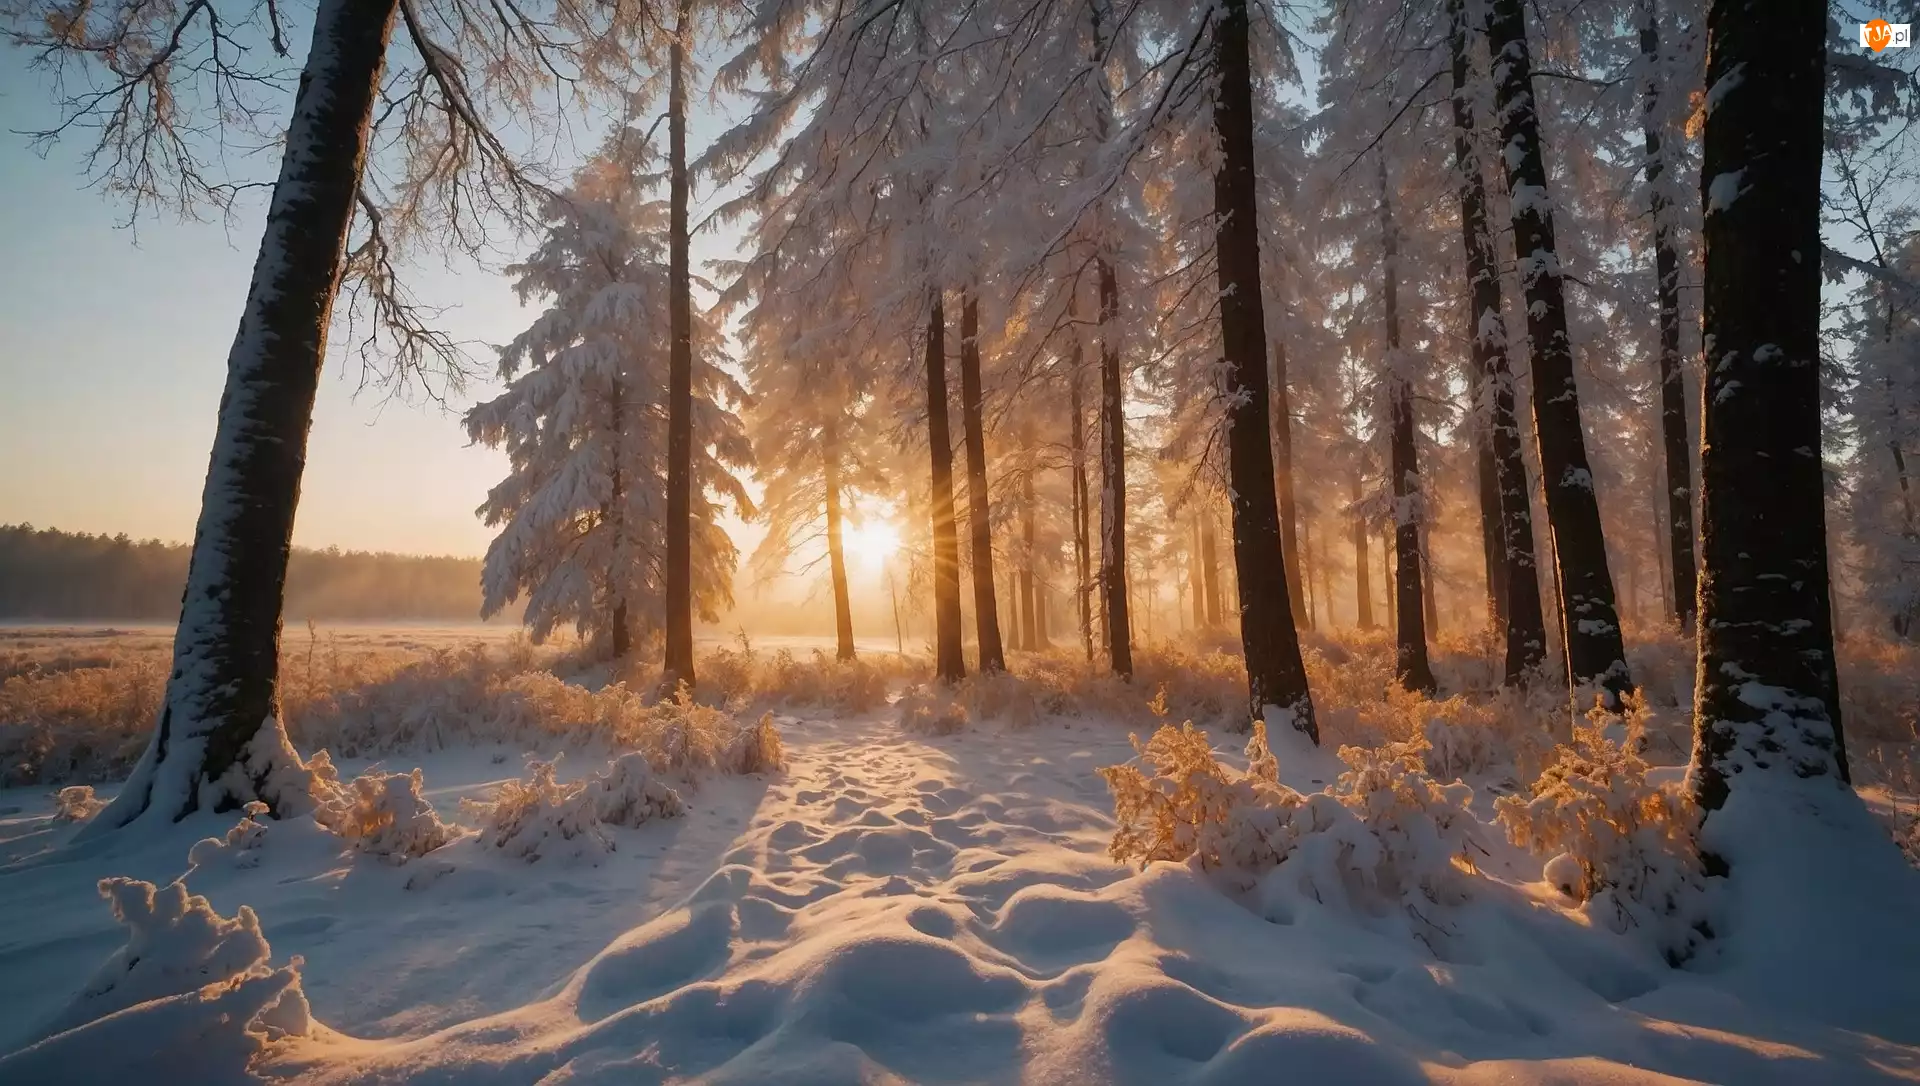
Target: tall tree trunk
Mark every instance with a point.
(1522, 625)
(679, 572)
(1210, 570)
(1410, 630)
(1767, 710)
(1276, 677)
(1595, 652)
(1113, 477)
(219, 740)
(1307, 566)
(1362, 583)
(1195, 579)
(986, 614)
(1673, 397)
(1390, 583)
(836, 551)
(1283, 481)
(1030, 635)
(1082, 541)
(615, 510)
(949, 655)
(1429, 581)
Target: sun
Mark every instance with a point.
(872, 542)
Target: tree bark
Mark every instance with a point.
(1673, 399)
(219, 740)
(1210, 571)
(620, 634)
(1595, 652)
(1113, 477)
(1283, 483)
(1030, 635)
(1362, 584)
(836, 550)
(1276, 677)
(1390, 582)
(1767, 711)
(1082, 537)
(678, 667)
(986, 612)
(949, 656)
(1410, 630)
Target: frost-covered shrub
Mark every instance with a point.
(1461, 748)
(76, 803)
(756, 748)
(541, 818)
(383, 814)
(241, 844)
(931, 710)
(178, 948)
(1633, 843)
(1383, 832)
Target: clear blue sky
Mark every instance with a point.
(113, 352)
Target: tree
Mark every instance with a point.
(1410, 633)
(1767, 706)
(1595, 651)
(1276, 677)
(678, 667)
(949, 661)
(580, 513)
(166, 87)
(986, 615)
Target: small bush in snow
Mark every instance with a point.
(383, 814)
(241, 844)
(178, 948)
(931, 710)
(76, 803)
(1632, 843)
(756, 748)
(541, 818)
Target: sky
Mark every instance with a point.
(113, 349)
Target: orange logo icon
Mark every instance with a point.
(1876, 35)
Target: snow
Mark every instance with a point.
(903, 906)
(1723, 190)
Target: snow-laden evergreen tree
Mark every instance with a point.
(582, 515)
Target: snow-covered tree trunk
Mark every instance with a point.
(1362, 577)
(1595, 652)
(679, 572)
(986, 612)
(219, 742)
(1673, 399)
(950, 664)
(1766, 708)
(1113, 477)
(836, 549)
(1410, 631)
(1077, 465)
(1522, 626)
(1276, 677)
(1283, 480)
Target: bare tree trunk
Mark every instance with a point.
(1029, 533)
(1673, 405)
(1113, 478)
(1410, 630)
(1210, 570)
(986, 615)
(950, 664)
(1283, 479)
(1429, 581)
(1276, 678)
(1362, 586)
(836, 551)
(1765, 623)
(1082, 542)
(679, 572)
(219, 740)
(619, 633)
(1307, 566)
(1390, 582)
(1595, 652)
(1195, 579)
(1487, 476)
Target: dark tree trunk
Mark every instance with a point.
(620, 635)
(1673, 397)
(1764, 622)
(1429, 581)
(1362, 583)
(1390, 584)
(1210, 571)
(218, 739)
(1082, 541)
(986, 612)
(1487, 480)
(1276, 677)
(1113, 478)
(679, 572)
(1197, 592)
(1410, 629)
(836, 552)
(1522, 625)
(1595, 653)
(1030, 635)
(949, 657)
(1307, 567)
(1283, 480)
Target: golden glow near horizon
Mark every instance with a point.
(872, 542)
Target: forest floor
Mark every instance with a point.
(904, 906)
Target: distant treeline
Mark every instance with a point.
(64, 576)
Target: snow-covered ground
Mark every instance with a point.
(904, 908)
